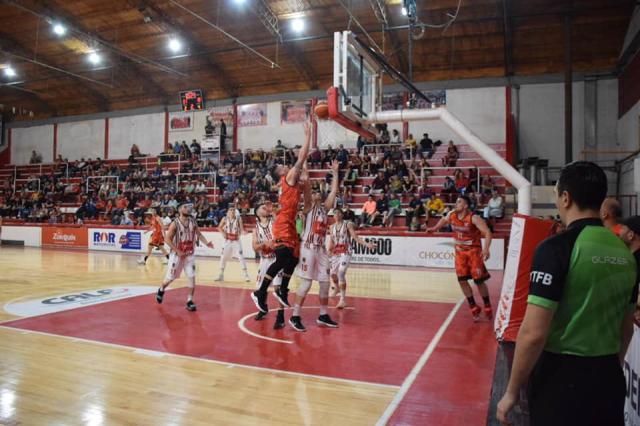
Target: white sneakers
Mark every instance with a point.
(220, 278)
(141, 261)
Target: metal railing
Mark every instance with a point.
(210, 174)
(25, 180)
(477, 168)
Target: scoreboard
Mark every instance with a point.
(192, 100)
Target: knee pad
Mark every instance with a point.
(304, 287)
(324, 289)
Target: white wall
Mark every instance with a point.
(26, 139)
(147, 131)
(629, 140)
(81, 139)
(265, 137)
(199, 121)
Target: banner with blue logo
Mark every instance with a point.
(115, 239)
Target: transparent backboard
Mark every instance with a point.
(357, 76)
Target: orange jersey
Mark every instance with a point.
(157, 237)
(466, 234)
(284, 227)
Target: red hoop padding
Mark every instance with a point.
(333, 97)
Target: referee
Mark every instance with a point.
(579, 318)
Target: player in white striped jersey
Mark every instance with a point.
(181, 238)
(341, 235)
(231, 229)
(263, 243)
(314, 260)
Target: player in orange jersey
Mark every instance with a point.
(470, 255)
(156, 241)
(286, 242)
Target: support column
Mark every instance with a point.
(314, 124)
(235, 126)
(55, 141)
(568, 92)
(106, 138)
(166, 130)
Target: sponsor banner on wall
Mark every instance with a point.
(180, 121)
(216, 114)
(115, 239)
(416, 251)
(252, 115)
(632, 381)
(64, 237)
(294, 111)
(64, 302)
(395, 101)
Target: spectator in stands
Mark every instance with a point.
(451, 157)
(223, 135)
(494, 208)
(416, 208)
(186, 152)
(200, 188)
(135, 151)
(209, 128)
(177, 147)
(426, 146)
(395, 185)
(360, 143)
(449, 188)
(461, 181)
(380, 184)
(196, 149)
(610, 213)
(487, 185)
(473, 201)
(435, 206)
(395, 137)
(126, 220)
(35, 158)
(473, 179)
(410, 147)
(279, 149)
(342, 156)
(350, 178)
(425, 191)
(415, 225)
(315, 158)
(395, 154)
(368, 211)
(348, 214)
(408, 186)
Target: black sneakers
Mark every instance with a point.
(282, 295)
(260, 300)
(159, 295)
(296, 323)
(259, 316)
(326, 321)
(191, 307)
(279, 320)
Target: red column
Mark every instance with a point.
(314, 123)
(509, 129)
(5, 156)
(106, 138)
(166, 131)
(55, 141)
(235, 126)
(405, 124)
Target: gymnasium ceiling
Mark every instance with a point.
(137, 69)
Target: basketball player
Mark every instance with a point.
(286, 240)
(156, 241)
(314, 260)
(341, 234)
(181, 238)
(468, 228)
(262, 244)
(231, 229)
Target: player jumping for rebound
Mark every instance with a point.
(286, 241)
(470, 255)
(341, 235)
(231, 229)
(181, 238)
(314, 260)
(262, 244)
(157, 238)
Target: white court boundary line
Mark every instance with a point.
(408, 381)
(244, 328)
(146, 352)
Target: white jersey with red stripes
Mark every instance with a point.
(315, 227)
(265, 234)
(185, 236)
(232, 228)
(341, 238)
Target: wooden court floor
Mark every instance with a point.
(130, 362)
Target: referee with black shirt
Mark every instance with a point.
(579, 319)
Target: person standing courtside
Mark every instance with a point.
(579, 318)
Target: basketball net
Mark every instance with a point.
(332, 133)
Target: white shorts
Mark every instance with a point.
(338, 260)
(265, 262)
(231, 248)
(314, 264)
(178, 264)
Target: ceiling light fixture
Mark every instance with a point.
(94, 58)
(174, 45)
(9, 72)
(59, 29)
(404, 11)
(297, 25)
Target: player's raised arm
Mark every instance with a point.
(486, 234)
(294, 174)
(335, 182)
(444, 220)
(357, 238)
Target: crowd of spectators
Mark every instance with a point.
(122, 194)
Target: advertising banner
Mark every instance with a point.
(419, 251)
(294, 111)
(216, 114)
(64, 237)
(632, 381)
(179, 121)
(252, 115)
(129, 240)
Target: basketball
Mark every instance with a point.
(322, 111)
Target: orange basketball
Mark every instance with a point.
(322, 110)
